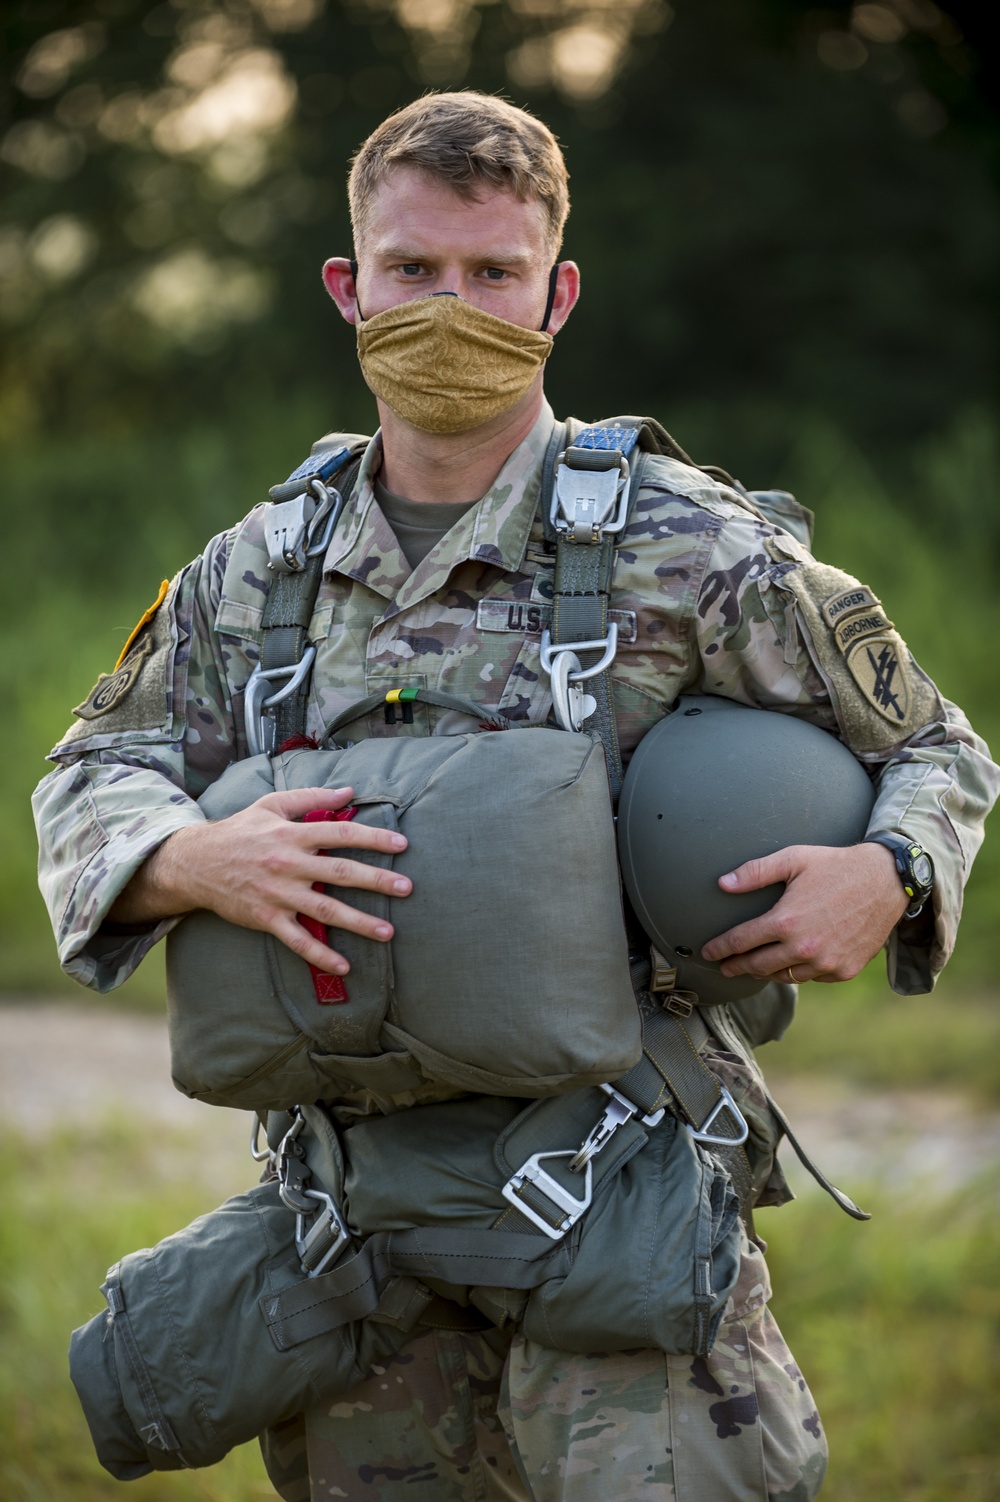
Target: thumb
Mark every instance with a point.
(762, 872)
(292, 805)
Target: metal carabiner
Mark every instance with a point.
(255, 1152)
(571, 705)
(257, 705)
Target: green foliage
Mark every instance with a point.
(864, 1033)
(778, 210)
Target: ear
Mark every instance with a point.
(338, 279)
(567, 292)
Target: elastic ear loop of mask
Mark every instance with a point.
(553, 283)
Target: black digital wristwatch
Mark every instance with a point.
(915, 867)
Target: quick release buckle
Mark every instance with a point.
(617, 1112)
(320, 1232)
(325, 1239)
(570, 1207)
(590, 485)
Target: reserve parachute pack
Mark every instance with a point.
(588, 1190)
(506, 974)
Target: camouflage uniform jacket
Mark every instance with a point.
(709, 597)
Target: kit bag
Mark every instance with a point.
(180, 1366)
(508, 973)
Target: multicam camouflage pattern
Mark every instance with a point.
(704, 606)
(633, 1425)
(423, 1426)
(602, 1428)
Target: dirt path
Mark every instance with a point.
(61, 1065)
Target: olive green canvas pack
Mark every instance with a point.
(508, 973)
(180, 1367)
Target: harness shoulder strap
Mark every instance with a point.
(588, 489)
(298, 525)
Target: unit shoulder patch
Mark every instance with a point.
(137, 694)
(880, 695)
(111, 688)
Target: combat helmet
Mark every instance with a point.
(715, 784)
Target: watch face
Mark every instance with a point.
(923, 869)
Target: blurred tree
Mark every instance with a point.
(780, 210)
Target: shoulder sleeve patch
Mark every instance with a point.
(880, 695)
(136, 696)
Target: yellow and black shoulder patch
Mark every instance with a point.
(880, 695)
(135, 696)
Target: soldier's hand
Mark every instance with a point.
(837, 910)
(257, 869)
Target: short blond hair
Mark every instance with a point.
(470, 141)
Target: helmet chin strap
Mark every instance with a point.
(543, 326)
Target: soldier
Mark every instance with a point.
(437, 575)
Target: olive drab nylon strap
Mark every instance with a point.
(591, 488)
(298, 525)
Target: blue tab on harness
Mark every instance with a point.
(622, 439)
(320, 466)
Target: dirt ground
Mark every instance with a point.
(61, 1066)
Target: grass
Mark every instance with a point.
(71, 1207)
(895, 1323)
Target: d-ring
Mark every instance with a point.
(791, 976)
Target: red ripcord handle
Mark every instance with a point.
(330, 989)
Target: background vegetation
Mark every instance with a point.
(788, 223)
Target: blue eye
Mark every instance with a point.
(495, 274)
(411, 268)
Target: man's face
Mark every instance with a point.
(421, 237)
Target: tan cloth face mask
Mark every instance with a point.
(445, 365)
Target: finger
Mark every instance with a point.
(328, 836)
(770, 962)
(336, 914)
(761, 872)
(338, 871)
(767, 929)
(299, 801)
(301, 942)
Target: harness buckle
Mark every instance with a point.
(569, 1205)
(584, 497)
(325, 1239)
(652, 1119)
(571, 704)
(705, 1135)
(291, 527)
(258, 707)
(616, 1113)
